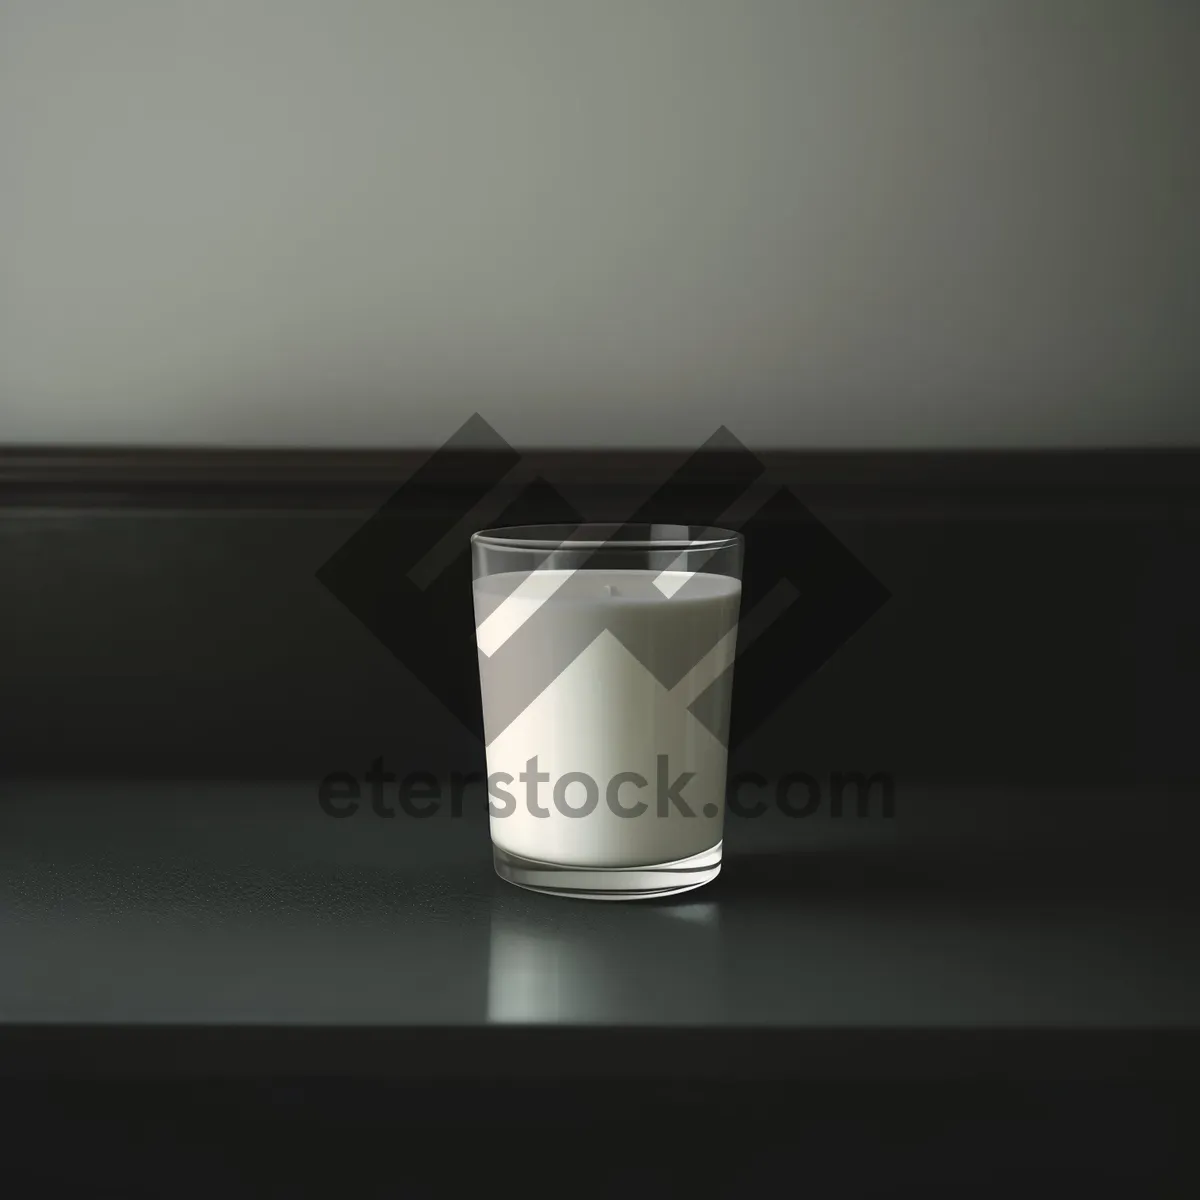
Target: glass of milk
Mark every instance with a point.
(606, 667)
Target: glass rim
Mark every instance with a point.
(608, 535)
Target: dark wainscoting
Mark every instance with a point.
(162, 615)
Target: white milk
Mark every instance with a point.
(603, 713)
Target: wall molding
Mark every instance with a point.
(55, 475)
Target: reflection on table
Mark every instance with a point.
(575, 962)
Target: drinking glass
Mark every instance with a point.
(606, 659)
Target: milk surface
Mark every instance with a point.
(593, 672)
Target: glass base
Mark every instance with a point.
(610, 883)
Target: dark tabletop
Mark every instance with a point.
(188, 910)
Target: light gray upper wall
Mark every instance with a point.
(821, 222)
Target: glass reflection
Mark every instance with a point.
(634, 963)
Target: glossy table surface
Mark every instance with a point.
(190, 906)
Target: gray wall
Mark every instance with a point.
(823, 222)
